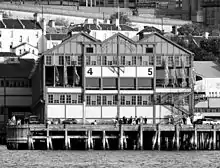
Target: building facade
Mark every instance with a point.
(15, 87)
(87, 79)
(14, 32)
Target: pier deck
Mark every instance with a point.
(139, 137)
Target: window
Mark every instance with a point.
(115, 99)
(62, 98)
(139, 61)
(133, 60)
(177, 60)
(88, 59)
(48, 60)
(50, 98)
(151, 61)
(80, 99)
(37, 34)
(74, 99)
(122, 60)
(104, 100)
(122, 100)
(149, 49)
(104, 60)
(61, 60)
(56, 99)
(170, 60)
(158, 60)
(88, 100)
(20, 39)
(20, 51)
(89, 49)
(32, 51)
(98, 99)
(133, 100)
(68, 99)
(187, 60)
(139, 100)
(67, 59)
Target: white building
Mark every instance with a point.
(54, 39)
(102, 31)
(14, 32)
(208, 87)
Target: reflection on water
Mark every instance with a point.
(110, 159)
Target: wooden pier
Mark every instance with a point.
(122, 137)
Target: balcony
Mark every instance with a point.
(213, 3)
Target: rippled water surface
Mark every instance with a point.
(112, 159)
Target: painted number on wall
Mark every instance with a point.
(150, 71)
(89, 71)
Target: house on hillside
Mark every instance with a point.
(14, 32)
(102, 31)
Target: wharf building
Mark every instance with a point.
(15, 87)
(89, 79)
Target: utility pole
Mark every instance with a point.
(118, 73)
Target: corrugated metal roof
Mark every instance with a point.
(207, 69)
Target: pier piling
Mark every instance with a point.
(177, 137)
(195, 139)
(121, 136)
(103, 140)
(140, 137)
(158, 137)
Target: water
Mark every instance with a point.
(108, 159)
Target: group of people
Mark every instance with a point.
(13, 121)
(131, 120)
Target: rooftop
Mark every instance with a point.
(7, 54)
(207, 69)
(19, 70)
(19, 24)
(56, 36)
(86, 27)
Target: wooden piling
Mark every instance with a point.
(158, 137)
(214, 138)
(121, 136)
(89, 139)
(195, 139)
(177, 137)
(103, 139)
(48, 138)
(66, 145)
(140, 137)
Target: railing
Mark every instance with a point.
(215, 3)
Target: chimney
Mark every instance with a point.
(1, 15)
(117, 23)
(43, 24)
(51, 23)
(206, 35)
(37, 17)
(174, 30)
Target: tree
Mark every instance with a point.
(192, 29)
(123, 18)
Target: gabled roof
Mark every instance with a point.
(19, 70)
(56, 36)
(87, 27)
(207, 69)
(7, 54)
(166, 39)
(19, 24)
(22, 45)
(150, 29)
(120, 35)
(69, 39)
